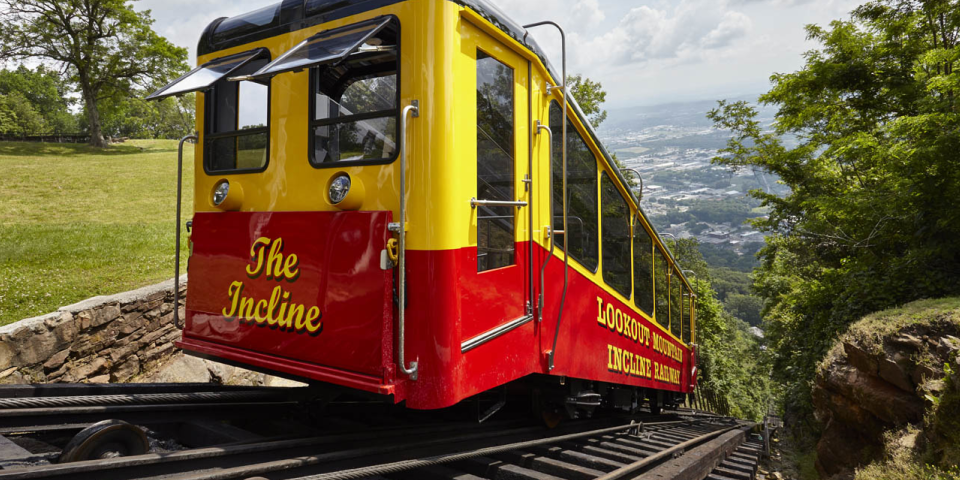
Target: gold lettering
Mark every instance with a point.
(600, 318)
(261, 307)
(274, 303)
(313, 314)
(256, 252)
(233, 291)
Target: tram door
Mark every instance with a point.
(496, 291)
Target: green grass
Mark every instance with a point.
(76, 221)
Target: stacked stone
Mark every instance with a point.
(103, 339)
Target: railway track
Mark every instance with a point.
(214, 433)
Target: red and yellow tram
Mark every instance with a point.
(379, 204)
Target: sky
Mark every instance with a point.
(642, 52)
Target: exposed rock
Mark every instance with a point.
(105, 315)
(858, 358)
(6, 373)
(907, 340)
(923, 373)
(56, 360)
(948, 346)
(8, 354)
(878, 384)
(99, 379)
(86, 370)
(155, 335)
(184, 369)
(131, 322)
(126, 370)
(38, 348)
(892, 371)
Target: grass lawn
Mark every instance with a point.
(76, 221)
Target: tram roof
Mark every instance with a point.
(292, 15)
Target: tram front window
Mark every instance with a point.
(355, 104)
(237, 134)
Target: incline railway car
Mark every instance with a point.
(389, 197)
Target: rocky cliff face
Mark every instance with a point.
(888, 371)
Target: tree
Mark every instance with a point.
(135, 117)
(47, 92)
(590, 96)
(871, 219)
(24, 118)
(105, 46)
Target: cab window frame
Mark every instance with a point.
(313, 123)
(593, 255)
(608, 186)
(211, 118)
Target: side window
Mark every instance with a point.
(615, 236)
(662, 284)
(237, 126)
(495, 153)
(355, 104)
(582, 218)
(676, 312)
(642, 268)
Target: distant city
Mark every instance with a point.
(684, 195)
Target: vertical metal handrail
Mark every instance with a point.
(401, 229)
(563, 123)
(541, 127)
(176, 274)
(639, 177)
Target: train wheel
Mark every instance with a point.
(548, 413)
(106, 439)
(655, 404)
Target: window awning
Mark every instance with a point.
(204, 76)
(331, 46)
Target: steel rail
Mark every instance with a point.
(635, 467)
(275, 454)
(406, 465)
(137, 399)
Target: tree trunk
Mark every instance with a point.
(93, 113)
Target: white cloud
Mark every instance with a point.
(643, 51)
(733, 26)
(589, 12)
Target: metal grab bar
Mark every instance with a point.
(400, 227)
(176, 274)
(474, 203)
(543, 268)
(639, 177)
(563, 146)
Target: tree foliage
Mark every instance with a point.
(45, 92)
(871, 220)
(105, 46)
(732, 365)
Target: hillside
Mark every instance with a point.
(888, 395)
(76, 222)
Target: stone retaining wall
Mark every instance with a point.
(99, 340)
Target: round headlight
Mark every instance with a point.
(220, 193)
(339, 188)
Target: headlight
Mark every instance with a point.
(339, 188)
(220, 193)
